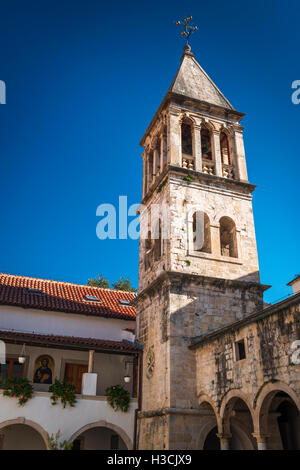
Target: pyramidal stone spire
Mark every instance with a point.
(193, 82)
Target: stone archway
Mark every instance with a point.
(241, 438)
(237, 422)
(212, 441)
(209, 425)
(108, 429)
(23, 434)
(278, 417)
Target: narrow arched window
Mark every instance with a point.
(228, 237)
(146, 174)
(157, 157)
(151, 169)
(206, 147)
(164, 137)
(225, 151)
(186, 139)
(148, 250)
(201, 232)
(157, 241)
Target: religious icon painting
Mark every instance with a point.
(43, 370)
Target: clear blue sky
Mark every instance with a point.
(83, 81)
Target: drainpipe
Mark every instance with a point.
(140, 391)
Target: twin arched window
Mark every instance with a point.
(206, 143)
(187, 140)
(202, 235)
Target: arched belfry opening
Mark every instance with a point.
(206, 143)
(187, 144)
(225, 149)
(228, 241)
(201, 232)
(186, 138)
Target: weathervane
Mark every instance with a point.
(187, 28)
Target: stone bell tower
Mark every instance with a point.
(198, 268)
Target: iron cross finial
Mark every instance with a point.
(187, 28)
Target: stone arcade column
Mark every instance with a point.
(155, 156)
(215, 239)
(175, 138)
(217, 152)
(149, 175)
(145, 173)
(261, 441)
(224, 441)
(197, 148)
(240, 154)
(162, 152)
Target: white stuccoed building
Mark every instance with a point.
(81, 334)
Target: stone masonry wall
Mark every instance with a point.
(148, 215)
(268, 358)
(216, 200)
(153, 319)
(197, 307)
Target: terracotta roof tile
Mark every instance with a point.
(64, 297)
(68, 341)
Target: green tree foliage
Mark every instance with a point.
(54, 442)
(124, 284)
(99, 281)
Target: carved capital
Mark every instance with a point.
(238, 129)
(173, 111)
(262, 438)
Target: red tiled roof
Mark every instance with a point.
(100, 344)
(64, 297)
